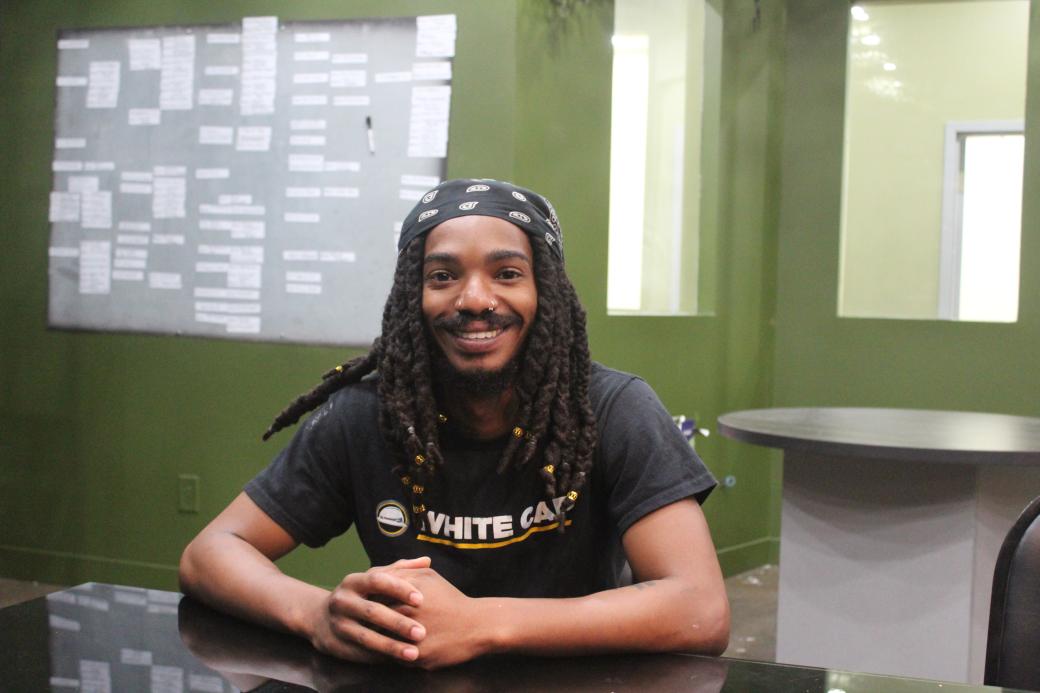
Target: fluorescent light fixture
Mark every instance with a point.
(859, 14)
(871, 40)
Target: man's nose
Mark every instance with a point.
(477, 295)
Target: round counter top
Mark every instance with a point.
(914, 434)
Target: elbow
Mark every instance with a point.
(708, 627)
(187, 573)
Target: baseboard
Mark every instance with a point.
(751, 554)
(66, 568)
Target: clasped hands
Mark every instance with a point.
(404, 612)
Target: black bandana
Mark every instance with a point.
(527, 210)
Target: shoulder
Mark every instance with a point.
(608, 386)
(355, 406)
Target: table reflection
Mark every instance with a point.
(105, 638)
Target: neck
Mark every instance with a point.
(482, 416)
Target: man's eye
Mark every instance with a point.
(439, 276)
(509, 274)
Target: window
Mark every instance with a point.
(663, 120)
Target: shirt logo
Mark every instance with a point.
(427, 214)
(468, 205)
(519, 196)
(428, 197)
(391, 518)
(521, 216)
(478, 188)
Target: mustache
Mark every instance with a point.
(459, 321)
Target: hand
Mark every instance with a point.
(455, 628)
(357, 622)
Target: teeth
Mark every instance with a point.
(480, 335)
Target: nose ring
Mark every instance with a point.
(492, 306)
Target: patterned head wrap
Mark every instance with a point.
(527, 210)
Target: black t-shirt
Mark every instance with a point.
(488, 534)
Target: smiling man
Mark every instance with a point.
(497, 478)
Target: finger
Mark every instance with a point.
(355, 633)
(346, 607)
(393, 585)
(420, 562)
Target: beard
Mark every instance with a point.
(476, 382)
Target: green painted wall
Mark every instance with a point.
(825, 360)
(701, 366)
(96, 427)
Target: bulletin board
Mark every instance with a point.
(244, 181)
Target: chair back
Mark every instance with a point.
(1013, 645)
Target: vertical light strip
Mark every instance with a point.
(991, 227)
(629, 103)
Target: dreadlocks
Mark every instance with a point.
(552, 386)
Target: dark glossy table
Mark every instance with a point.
(101, 638)
(891, 522)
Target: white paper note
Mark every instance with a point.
(210, 134)
(307, 140)
(302, 217)
(164, 280)
(310, 56)
(253, 138)
(307, 124)
(340, 192)
(349, 58)
(224, 38)
(96, 209)
(348, 78)
(439, 70)
(94, 677)
(303, 288)
(428, 123)
(435, 36)
(220, 70)
(212, 173)
(177, 76)
(95, 267)
(167, 679)
(73, 44)
(216, 97)
(144, 116)
(145, 54)
(64, 207)
(390, 77)
(351, 100)
(168, 198)
(310, 99)
(103, 85)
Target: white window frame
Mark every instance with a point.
(951, 241)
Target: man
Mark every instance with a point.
(497, 478)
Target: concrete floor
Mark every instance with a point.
(752, 600)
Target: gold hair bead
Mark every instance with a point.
(419, 459)
(549, 468)
(339, 369)
(518, 432)
(417, 489)
(572, 496)
(442, 418)
(406, 480)
(419, 508)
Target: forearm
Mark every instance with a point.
(227, 573)
(665, 615)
